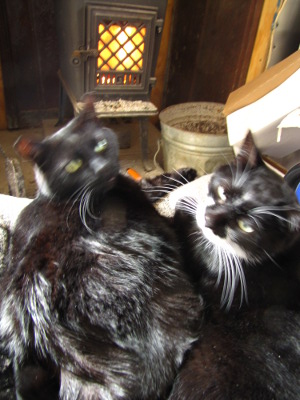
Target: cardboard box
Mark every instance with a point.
(265, 104)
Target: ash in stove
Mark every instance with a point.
(111, 106)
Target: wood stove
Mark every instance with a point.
(111, 50)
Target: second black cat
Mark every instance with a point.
(242, 250)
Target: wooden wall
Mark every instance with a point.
(3, 124)
(210, 49)
(29, 58)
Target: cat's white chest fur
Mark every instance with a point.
(225, 258)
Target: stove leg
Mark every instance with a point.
(143, 122)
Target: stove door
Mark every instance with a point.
(119, 45)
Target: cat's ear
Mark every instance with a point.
(88, 113)
(249, 156)
(28, 148)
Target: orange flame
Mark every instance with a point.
(121, 48)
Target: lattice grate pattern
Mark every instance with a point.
(121, 48)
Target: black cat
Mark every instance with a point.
(243, 252)
(94, 301)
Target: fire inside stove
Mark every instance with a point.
(121, 47)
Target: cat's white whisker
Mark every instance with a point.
(163, 189)
(185, 201)
(187, 205)
(227, 265)
(202, 170)
(234, 275)
(220, 269)
(197, 239)
(275, 208)
(75, 196)
(226, 283)
(193, 233)
(189, 210)
(227, 161)
(272, 259)
(232, 287)
(85, 207)
(231, 282)
(241, 178)
(90, 208)
(183, 177)
(154, 199)
(254, 218)
(171, 187)
(242, 278)
(260, 213)
(235, 174)
(174, 180)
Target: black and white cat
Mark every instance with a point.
(94, 301)
(243, 252)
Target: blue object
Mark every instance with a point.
(298, 192)
(292, 177)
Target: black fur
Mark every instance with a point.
(159, 186)
(243, 253)
(95, 303)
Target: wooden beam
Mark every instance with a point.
(3, 123)
(160, 71)
(261, 47)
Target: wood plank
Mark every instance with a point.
(3, 123)
(211, 47)
(160, 71)
(28, 48)
(261, 47)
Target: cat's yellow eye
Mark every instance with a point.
(221, 193)
(100, 146)
(244, 226)
(73, 166)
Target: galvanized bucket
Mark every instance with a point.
(195, 135)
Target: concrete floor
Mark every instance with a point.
(129, 157)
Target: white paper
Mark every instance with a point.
(264, 116)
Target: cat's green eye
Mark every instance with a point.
(244, 226)
(73, 166)
(100, 146)
(221, 193)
